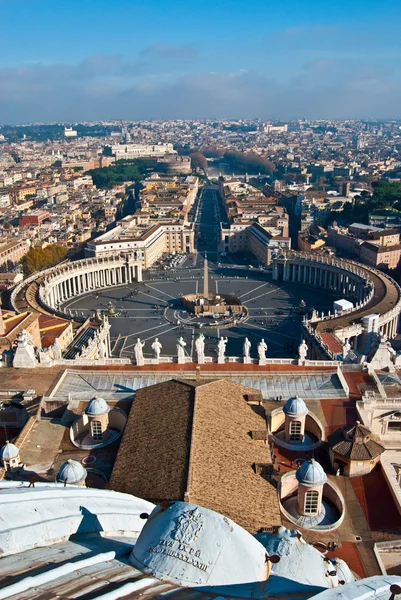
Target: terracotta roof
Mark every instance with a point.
(51, 328)
(188, 440)
(380, 249)
(15, 324)
(355, 442)
(332, 342)
(376, 235)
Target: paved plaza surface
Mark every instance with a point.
(152, 308)
(141, 310)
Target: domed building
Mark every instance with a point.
(97, 412)
(104, 544)
(71, 473)
(99, 425)
(295, 411)
(311, 478)
(9, 455)
(309, 499)
(354, 450)
(294, 427)
(307, 566)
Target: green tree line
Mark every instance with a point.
(120, 172)
(386, 196)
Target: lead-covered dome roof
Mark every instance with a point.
(97, 407)
(72, 473)
(295, 407)
(9, 451)
(311, 473)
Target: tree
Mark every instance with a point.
(248, 162)
(198, 160)
(38, 259)
(121, 172)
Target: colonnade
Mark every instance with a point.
(347, 278)
(389, 329)
(83, 276)
(330, 277)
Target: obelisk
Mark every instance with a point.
(205, 279)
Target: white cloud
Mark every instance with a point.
(102, 87)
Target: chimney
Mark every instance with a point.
(198, 374)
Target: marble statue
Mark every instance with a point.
(346, 348)
(138, 349)
(57, 352)
(302, 351)
(44, 358)
(247, 349)
(101, 349)
(156, 347)
(181, 349)
(221, 349)
(262, 348)
(314, 315)
(200, 348)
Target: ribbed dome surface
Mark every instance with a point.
(295, 407)
(97, 407)
(9, 451)
(71, 472)
(311, 473)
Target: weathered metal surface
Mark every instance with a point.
(193, 546)
(89, 565)
(43, 515)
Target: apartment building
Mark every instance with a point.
(18, 194)
(256, 223)
(382, 257)
(146, 243)
(131, 151)
(263, 243)
(13, 251)
(379, 248)
(168, 197)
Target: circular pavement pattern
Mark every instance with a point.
(152, 309)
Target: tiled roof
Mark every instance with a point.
(355, 442)
(192, 441)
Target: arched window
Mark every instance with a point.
(311, 502)
(97, 434)
(295, 431)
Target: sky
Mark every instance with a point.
(87, 60)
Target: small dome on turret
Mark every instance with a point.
(295, 407)
(72, 473)
(311, 473)
(9, 451)
(97, 407)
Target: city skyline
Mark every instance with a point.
(134, 61)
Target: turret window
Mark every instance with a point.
(295, 431)
(97, 434)
(311, 502)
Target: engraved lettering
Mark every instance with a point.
(161, 549)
